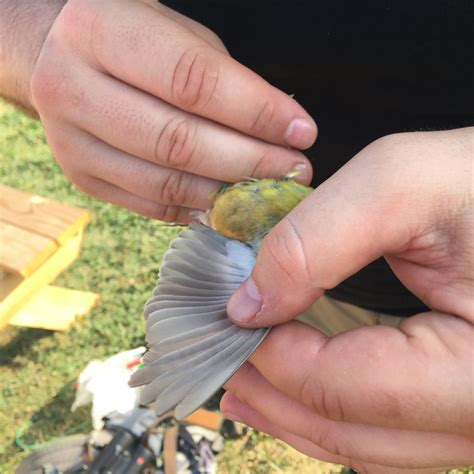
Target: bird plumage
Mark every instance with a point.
(193, 348)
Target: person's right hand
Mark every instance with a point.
(145, 108)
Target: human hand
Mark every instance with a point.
(145, 108)
(378, 399)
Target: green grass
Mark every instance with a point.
(119, 259)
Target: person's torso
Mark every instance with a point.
(362, 70)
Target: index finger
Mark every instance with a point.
(137, 44)
(377, 375)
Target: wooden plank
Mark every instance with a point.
(207, 419)
(54, 308)
(22, 251)
(8, 282)
(40, 215)
(45, 274)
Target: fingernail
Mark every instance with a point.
(304, 172)
(301, 133)
(245, 303)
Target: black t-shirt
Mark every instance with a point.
(362, 70)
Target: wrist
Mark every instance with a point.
(23, 30)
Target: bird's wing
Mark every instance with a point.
(193, 347)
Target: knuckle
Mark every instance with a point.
(156, 212)
(152, 210)
(82, 24)
(77, 16)
(51, 80)
(82, 182)
(73, 158)
(63, 159)
(213, 39)
(174, 190)
(167, 213)
(53, 86)
(306, 391)
(245, 392)
(288, 252)
(317, 395)
(264, 118)
(176, 145)
(72, 14)
(48, 87)
(76, 20)
(324, 436)
(327, 405)
(269, 162)
(296, 244)
(387, 142)
(264, 167)
(183, 216)
(275, 248)
(194, 79)
(66, 157)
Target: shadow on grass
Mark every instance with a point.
(16, 342)
(52, 421)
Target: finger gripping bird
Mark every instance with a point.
(193, 348)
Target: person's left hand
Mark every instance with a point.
(378, 399)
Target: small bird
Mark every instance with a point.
(193, 348)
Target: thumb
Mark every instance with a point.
(375, 205)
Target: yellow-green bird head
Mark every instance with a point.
(247, 210)
(193, 347)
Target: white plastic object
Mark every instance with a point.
(105, 385)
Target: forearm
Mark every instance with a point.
(23, 28)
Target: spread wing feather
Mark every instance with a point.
(193, 347)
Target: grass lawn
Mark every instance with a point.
(120, 259)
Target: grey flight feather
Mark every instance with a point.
(193, 347)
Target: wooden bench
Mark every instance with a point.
(39, 238)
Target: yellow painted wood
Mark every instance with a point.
(54, 308)
(8, 282)
(45, 274)
(22, 251)
(42, 216)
